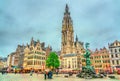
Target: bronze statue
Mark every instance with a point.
(87, 55)
(88, 70)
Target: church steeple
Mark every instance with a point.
(67, 21)
(66, 9)
(67, 32)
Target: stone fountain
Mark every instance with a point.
(88, 70)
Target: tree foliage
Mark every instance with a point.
(52, 61)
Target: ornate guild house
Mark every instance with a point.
(34, 57)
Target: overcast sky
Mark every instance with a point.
(94, 21)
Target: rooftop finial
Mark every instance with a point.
(32, 39)
(76, 38)
(66, 8)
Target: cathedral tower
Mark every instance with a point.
(67, 33)
(71, 51)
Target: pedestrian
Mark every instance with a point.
(37, 73)
(45, 75)
(50, 74)
(15, 72)
(2, 72)
(56, 72)
(31, 72)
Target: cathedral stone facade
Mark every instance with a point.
(71, 51)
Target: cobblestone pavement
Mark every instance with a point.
(40, 77)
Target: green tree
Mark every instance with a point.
(52, 61)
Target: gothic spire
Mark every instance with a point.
(76, 38)
(67, 21)
(66, 8)
(27, 45)
(32, 41)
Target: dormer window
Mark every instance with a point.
(31, 48)
(38, 48)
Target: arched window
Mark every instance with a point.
(116, 55)
(112, 56)
(117, 61)
(111, 50)
(116, 44)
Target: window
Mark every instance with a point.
(38, 62)
(117, 61)
(30, 62)
(115, 50)
(113, 62)
(91, 57)
(73, 66)
(111, 51)
(105, 56)
(69, 66)
(38, 48)
(34, 62)
(112, 56)
(103, 61)
(27, 63)
(116, 55)
(108, 61)
(116, 44)
(102, 56)
(83, 60)
(31, 48)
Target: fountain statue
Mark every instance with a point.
(88, 70)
